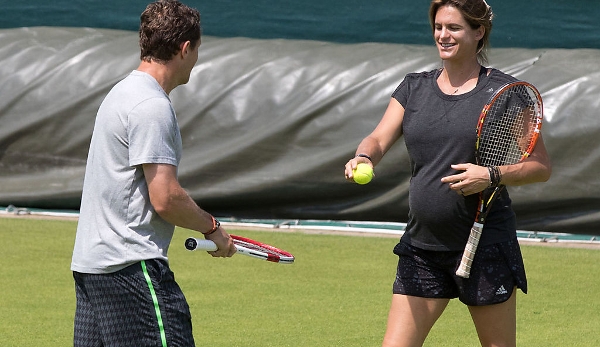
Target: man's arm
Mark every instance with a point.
(174, 205)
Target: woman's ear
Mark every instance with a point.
(480, 33)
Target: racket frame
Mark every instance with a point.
(245, 246)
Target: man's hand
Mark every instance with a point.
(225, 245)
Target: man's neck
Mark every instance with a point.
(161, 73)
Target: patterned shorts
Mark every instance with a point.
(141, 305)
(495, 271)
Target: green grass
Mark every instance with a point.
(336, 294)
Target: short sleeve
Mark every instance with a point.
(401, 93)
(153, 133)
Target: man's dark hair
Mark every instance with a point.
(164, 26)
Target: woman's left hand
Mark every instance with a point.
(472, 179)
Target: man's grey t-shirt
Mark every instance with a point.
(118, 226)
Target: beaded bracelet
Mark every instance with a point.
(491, 173)
(216, 225)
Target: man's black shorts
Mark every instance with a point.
(141, 305)
(495, 271)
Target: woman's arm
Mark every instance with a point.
(376, 144)
(473, 178)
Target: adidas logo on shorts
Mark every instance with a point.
(501, 291)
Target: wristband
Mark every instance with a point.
(216, 225)
(495, 176)
(364, 156)
(498, 174)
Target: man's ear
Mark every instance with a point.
(185, 48)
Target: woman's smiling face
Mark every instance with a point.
(454, 37)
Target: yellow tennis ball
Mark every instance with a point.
(363, 173)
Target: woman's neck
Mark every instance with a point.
(459, 79)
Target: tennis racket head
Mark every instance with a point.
(245, 246)
(262, 250)
(509, 125)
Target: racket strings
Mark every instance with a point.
(507, 131)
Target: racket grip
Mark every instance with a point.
(193, 244)
(464, 270)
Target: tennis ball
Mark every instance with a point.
(363, 173)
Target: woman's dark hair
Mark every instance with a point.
(476, 12)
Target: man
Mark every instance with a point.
(132, 200)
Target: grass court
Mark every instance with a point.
(337, 293)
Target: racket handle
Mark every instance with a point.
(193, 244)
(464, 270)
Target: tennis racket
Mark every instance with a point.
(507, 130)
(246, 247)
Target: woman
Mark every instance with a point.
(436, 111)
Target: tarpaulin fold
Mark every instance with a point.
(268, 125)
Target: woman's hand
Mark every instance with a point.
(472, 179)
(351, 166)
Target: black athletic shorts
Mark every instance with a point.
(495, 271)
(141, 305)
